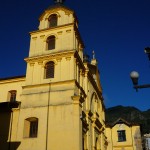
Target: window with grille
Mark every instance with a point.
(31, 127)
(51, 42)
(121, 135)
(49, 70)
(53, 20)
(12, 95)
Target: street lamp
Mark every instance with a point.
(134, 75)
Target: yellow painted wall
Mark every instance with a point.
(69, 107)
(11, 84)
(133, 137)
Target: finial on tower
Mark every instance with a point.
(94, 61)
(59, 1)
(93, 53)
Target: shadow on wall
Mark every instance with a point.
(6, 125)
(137, 139)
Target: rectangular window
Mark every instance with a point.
(51, 42)
(33, 128)
(12, 95)
(49, 70)
(121, 136)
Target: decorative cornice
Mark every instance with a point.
(59, 59)
(32, 64)
(60, 32)
(57, 55)
(42, 36)
(68, 31)
(47, 84)
(68, 58)
(12, 79)
(34, 38)
(52, 28)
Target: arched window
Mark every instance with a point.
(52, 20)
(51, 42)
(31, 127)
(12, 95)
(49, 70)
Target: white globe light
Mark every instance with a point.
(134, 74)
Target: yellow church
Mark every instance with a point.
(58, 104)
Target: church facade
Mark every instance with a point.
(58, 104)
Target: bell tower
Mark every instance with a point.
(56, 40)
(53, 93)
(61, 98)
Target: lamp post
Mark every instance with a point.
(134, 75)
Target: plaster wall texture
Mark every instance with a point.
(133, 137)
(8, 85)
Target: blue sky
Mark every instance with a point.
(118, 31)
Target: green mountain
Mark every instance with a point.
(130, 114)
